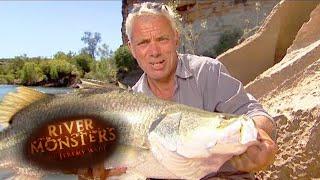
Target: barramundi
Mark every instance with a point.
(47, 134)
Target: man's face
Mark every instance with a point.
(154, 43)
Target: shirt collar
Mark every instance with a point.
(145, 87)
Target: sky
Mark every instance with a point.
(42, 28)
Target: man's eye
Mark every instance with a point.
(142, 43)
(163, 39)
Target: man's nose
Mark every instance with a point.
(154, 49)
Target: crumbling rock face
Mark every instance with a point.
(304, 51)
(207, 20)
(290, 92)
(295, 104)
(269, 45)
(298, 142)
(308, 33)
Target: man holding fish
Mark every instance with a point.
(196, 81)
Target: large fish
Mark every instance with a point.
(155, 138)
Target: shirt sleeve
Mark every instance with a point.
(232, 98)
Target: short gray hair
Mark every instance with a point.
(150, 8)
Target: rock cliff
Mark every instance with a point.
(290, 91)
(269, 45)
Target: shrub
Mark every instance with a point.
(55, 69)
(7, 79)
(227, 40)
(84, 62)
(104, 70)
(31, 73)
(124, 59)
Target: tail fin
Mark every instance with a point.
(15, 101)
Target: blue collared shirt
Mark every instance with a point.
(205, 83)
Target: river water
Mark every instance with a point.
(5, 89)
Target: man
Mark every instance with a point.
(195, 81)
(192, 80)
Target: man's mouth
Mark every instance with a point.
(158, 65)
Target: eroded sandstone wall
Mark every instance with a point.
(304, 51)
(290, 92)
(269, 45)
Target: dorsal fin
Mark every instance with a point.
(15, 101)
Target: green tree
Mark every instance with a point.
(6, 79)
(16, 65)
(84, 62)
(58, 68)
(104, 52)
(124, 59)
(63, 56)
(104, 70)
(31, 74)
(6, 73)
(91, 40)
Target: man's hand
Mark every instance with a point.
(99, 172)
(257, 157)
